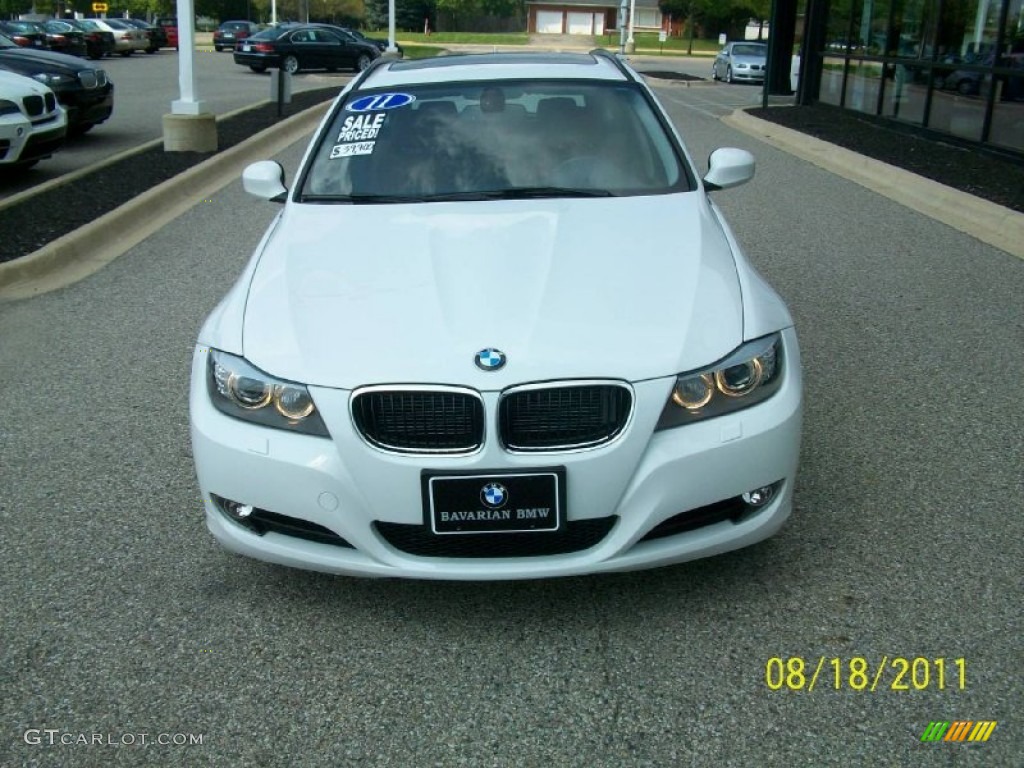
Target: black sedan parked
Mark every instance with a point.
(304, 46)
(381, 45)
(24, 33)
(98, 42)
(84, 91)
(63, 37)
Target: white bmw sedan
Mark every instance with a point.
(498, 330)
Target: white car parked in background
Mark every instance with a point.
(32, 123)
(443, 361)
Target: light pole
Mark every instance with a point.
(391, 27)
(622, 28)
(630, 43)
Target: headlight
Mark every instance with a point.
(52, 80)
(746, 377)
(241, 390)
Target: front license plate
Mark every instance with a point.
(495, 502)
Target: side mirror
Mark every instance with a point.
(265, 180)
(729, 167)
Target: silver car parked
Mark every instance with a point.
(741, 63)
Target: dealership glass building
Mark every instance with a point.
(952, 66)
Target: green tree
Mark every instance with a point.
(693, 11)
(455, 11)
(409, 14)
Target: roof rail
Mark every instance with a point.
(605, 54)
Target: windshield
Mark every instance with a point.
(269, 34)
(749, 50)
(494, 140)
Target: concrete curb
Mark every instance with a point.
(991, 223)
(68, 178)
(79, 254)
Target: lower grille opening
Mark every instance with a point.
(262, 521)
(419, 540)
(734, 509)
(729, 509)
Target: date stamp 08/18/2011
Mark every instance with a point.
(860, 673)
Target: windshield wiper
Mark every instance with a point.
(516, 193)
(363, 199)
(527, 193)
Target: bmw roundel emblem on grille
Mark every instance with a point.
(490, 359)
(494, 495)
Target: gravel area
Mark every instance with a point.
(990, 175)
(103, 190)
(987, 175)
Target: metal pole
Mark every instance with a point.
(391, 27)
(622, 28)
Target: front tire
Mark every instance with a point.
(290, 65)
(714, 73)
(363, 62)
(728, 74)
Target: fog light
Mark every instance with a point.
(241, 511)
(237, 511)
(759, 496)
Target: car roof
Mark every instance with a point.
(496, 66)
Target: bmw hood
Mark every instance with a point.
(29, 60)
(631, 288)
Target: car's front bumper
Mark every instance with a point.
(21, 142)
(253, 59)
(748, 75)
(88, 106)
(630, 488)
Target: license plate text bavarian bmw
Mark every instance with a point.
(495, 503)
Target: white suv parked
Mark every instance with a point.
(32, 123)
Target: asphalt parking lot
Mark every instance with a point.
(121, 617)
(144, 87)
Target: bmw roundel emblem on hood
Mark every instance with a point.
(490, 359)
